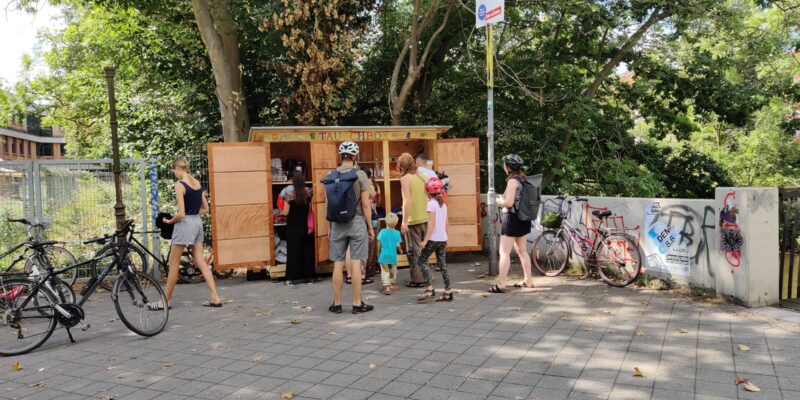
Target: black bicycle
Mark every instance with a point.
(32, 311)
(54, 251)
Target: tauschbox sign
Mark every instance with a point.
(489, 12)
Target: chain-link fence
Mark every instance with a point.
(75, 198)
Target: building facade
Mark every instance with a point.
(26, 139)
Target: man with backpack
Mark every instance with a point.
(347, 192)
(520, 204)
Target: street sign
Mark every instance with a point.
(489, 12)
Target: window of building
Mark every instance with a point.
(44, 150)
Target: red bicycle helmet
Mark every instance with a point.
(434, 186)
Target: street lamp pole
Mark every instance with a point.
(119, 207)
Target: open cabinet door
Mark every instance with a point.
(459, 159)
(241, 213)
(324, 158)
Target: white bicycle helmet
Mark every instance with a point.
(348, 148)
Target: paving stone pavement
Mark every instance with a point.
(565, 339)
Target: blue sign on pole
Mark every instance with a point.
(482, 12)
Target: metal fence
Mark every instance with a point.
(75, 197)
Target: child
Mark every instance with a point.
(435, 240)
(389, 240)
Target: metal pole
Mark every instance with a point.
(491, 200)
(119, 207)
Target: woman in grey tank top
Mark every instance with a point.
(192, 205)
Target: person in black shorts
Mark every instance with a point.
(513, 231)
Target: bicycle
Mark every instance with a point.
(55, 253)
(612, 253)
(26, 303)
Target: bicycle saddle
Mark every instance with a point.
(602, 214)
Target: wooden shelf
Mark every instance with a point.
(288, 183)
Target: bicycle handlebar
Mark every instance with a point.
(582, 199)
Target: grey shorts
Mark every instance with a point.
(188, 230)
(353, 234)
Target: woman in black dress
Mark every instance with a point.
(299, 239)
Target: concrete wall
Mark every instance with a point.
(728, 244)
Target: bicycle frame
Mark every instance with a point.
(20, 258)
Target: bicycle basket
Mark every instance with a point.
(552, 220)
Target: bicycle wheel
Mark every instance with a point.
(136, 258)
(550, 253)
(58, 257)
(27, 319)
(619, 260)
(131, 294)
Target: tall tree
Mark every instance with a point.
(219, 32)
(320, 38)
(415, 51)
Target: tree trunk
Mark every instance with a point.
(592, 90)
(218, 31)
(398, 100)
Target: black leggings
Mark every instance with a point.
(440, 248)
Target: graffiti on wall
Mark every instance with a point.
(688, 236)
(731, 239)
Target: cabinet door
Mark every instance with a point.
(324, 158)
(459, 159)
(241, 209)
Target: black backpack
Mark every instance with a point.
(528, 198)
(342, 201)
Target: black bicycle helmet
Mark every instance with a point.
(513, 161)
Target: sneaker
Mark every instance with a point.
(362, 308)
(288, 283)
(335, 309)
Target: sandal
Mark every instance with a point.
(522, 285)
(210, 304)
(348, 280)
(415, 284)
(386, 290)
(497, 289)
(366, 281)
(445, 297)
(154, 306)
(336, 309)
(427, 295)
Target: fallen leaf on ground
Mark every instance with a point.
(637, 372)
(229, 301)
(485, 295)
(259, 359)
(681, 330)
(516, 309)
(476, 313)
(287, 395)
(307, 309)
(481, 276)
(167, 365)
(295, 321)
(750, 387)
(744, 347)
(295, 302)
(535, 315)
(372, 366)
(110, 367)
(331, 333)
(41, 369)
(16, 366)
(451, 310)
(565, 318)
(284, 301)
(35, 385)
(587, 329)
(606, 312)
(740, 380)
(639, 332)
(199, 336)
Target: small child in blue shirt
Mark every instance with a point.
(389, 240)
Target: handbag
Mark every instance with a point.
(310, 220)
